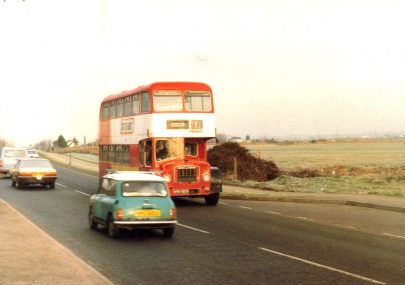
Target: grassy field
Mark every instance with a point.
(364, 168)
(368, 155)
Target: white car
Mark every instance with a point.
(32, 153)
(9, 157)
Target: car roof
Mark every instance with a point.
(134, 176)
(33, 158)
(12, 148)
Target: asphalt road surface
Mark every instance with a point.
(236, 242)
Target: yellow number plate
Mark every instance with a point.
(38, 176)
(147, 213)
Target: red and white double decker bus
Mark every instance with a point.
(162, 127)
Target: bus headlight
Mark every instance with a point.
(167, 178)
(206, 177)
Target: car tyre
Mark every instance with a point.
(212, 199)
(113, 231)
(92, 223)
(18, 185)
(168, 232)
(12, 183)
(52, 185)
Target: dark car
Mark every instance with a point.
(33, 171)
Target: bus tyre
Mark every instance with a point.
(113, 231)
(168, 232)
(212, 199)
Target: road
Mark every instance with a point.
(236, 242)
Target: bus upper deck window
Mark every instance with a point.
(112, 110)
(167, 100)
(198, 101)
(118, 113)
(135, 104)
(127, 106)
(145, 102)
(105, 111)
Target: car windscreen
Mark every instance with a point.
(143, 188)
(35, 164)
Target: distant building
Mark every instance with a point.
(235, 139)
(72, 143)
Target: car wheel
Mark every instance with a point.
(18, 185)
(12, 183)
(52, 185)
(113, 231)
(212, 199)
(168, 232)
(92, 223)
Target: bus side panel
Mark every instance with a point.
(134, 155)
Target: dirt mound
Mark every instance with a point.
(248, 166)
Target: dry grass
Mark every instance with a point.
(365, 167)
(78, 149)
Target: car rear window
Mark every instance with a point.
(143, 188)
(14, 153)
(36, 163)
(20, 153)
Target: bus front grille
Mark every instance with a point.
(186, 174)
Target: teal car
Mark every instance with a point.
(131, 200)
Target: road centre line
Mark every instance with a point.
(323, 266)
(244, 207)
(195, 229)
(80, 192)
(61, 185)
(351, 227)
(391, 235)
(272, 212)
(305, 218)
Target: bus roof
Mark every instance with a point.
(198, 86)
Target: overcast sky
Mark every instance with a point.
(277, 68)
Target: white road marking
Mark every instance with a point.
(80, 192)
(195, 229)
(244, 207)
(305, 218)
(61, 185)
(271, 212)
(351, 227)
(391, 235)
(223, 203)
(323, 266)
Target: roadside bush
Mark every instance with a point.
(248, 166)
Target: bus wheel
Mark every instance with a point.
(212, 199)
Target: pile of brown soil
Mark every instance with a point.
(248, 166)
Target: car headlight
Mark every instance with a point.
(206, 177)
